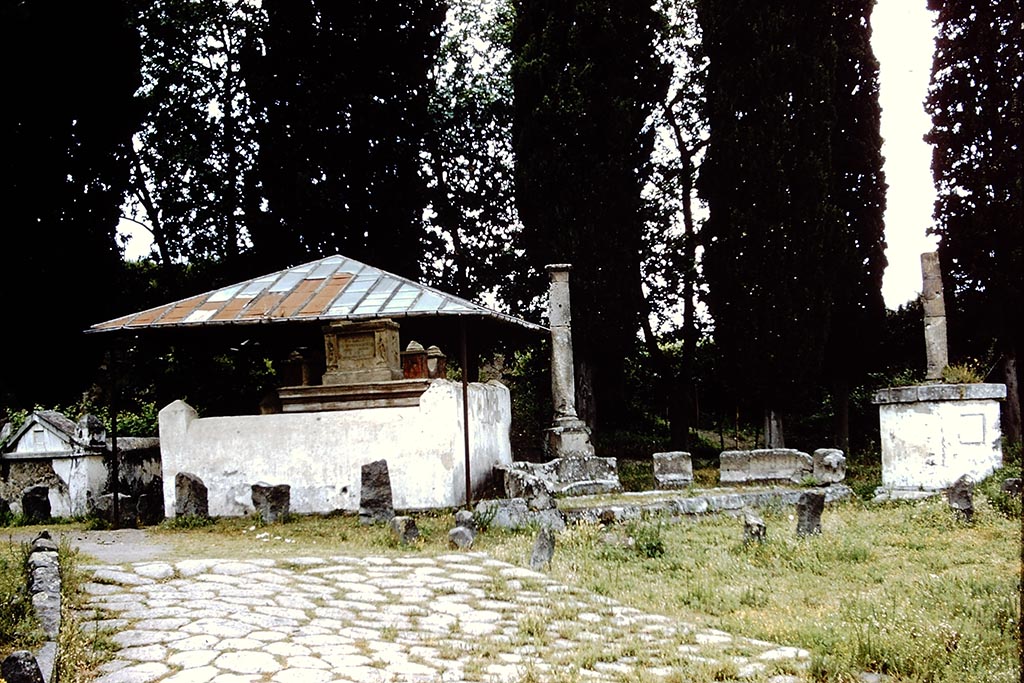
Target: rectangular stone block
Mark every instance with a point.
(672, 469)
(764, 465)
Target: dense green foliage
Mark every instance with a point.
(586, 79)
(344, 89)
(67, 118)
(191, 166)
(767, 179)
(977, 140)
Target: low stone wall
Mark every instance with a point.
(320, 454)
(711, 501)
(44, 587)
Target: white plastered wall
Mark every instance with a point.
(320, 454)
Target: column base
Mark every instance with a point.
(568, 439)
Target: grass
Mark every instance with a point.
(18, 628)
(903, 589)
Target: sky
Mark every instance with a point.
(903, 40)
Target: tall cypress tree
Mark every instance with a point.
(773, 224)
(585, 81)
(65, 126)
(858, 255)
(977, 110)
(343, 87)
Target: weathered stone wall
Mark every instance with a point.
(320, 455)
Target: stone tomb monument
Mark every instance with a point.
(934, 433)
(364, 369)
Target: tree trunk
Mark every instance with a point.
(586, 406)
(841, 405)
(1011, 411)
(773, 430)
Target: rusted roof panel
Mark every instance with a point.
(333, 288)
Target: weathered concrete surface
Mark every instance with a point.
(321, 454)
(829, 465)
(570, 476)
(936, 350)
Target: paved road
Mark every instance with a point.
(454, 617)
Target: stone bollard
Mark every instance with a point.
(463, 534)
(272, 501)
(754, 529)
(404, 529)
(35, 504)
(21, 667)
(808, 512)
(375, 501)
(961, 497)
(543, 549)
(461, 538)
(191, 499)
(1011, 487)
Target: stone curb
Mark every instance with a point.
(695, 505)
(44, 587)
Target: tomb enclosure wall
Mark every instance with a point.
(320, 454)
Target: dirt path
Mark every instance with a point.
(106, 547)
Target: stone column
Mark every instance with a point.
(568, 436)
(934, 317)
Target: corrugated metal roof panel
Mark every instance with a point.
(332, 288)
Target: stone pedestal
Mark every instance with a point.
(933, 434)
(568, 440)
(361, 352)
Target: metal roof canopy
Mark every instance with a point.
(334, 288)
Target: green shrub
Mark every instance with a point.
(963, 373)
(648, 538)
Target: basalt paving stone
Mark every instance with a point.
(455, 617)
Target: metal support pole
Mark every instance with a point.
(116, 484)
(464, 361)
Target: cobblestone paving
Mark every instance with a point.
(455, 617)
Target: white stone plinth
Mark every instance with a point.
(933, 433)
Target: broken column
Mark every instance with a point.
(569, 435)
(934, 316)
